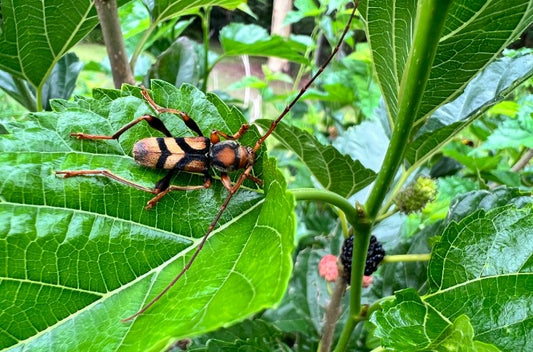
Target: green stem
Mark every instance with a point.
(205, 31)
(303, 67)
(140, 45)
(382, 217)
(397, 187)
(406, 258)
(346, 332)
(39, 98)
(344, 224)
(28, 99)
(328, 197)
(429, 22)
(360, 249)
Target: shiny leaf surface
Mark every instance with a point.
(474, 33)
(37, 35)
(488, 88)
(481, 268)
(83, 251)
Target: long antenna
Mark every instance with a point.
(246, 172)
(302, 91)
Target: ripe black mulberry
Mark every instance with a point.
(374, 256)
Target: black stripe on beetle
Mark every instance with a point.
(188, 149)
(164, 153)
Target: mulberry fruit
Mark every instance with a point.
(374, 256)
(414, 197)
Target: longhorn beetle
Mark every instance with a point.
(194, 155)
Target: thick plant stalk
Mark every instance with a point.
(429, 23)
(114, 42)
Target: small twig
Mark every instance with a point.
(524, 160)
(333, 311)
(108, 14)
(205, 16)
(247, 73)
(404, 258)
(382, 217)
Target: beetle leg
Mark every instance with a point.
(161, 193)
(255, 179)
(153, 121)
(161, 188)
(105, 173)
(216, 134)
(164, 183)
(224, 178)
(226, 181)
(189, 122)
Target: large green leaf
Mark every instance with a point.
(37, 33)
(62, 79)
(82, 253)
(409, 324)
(474, 33)
(250, 335)
(18, 89)
(335, 172)
(469, 202)
(481, 268)
(488, 88)
(162, 10)
(178, 64)
(250, 39)
(366, 142)
(60, 83)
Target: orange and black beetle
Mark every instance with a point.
(189, 154)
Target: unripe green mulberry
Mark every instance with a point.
(414, 197)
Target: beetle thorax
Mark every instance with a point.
(228, 156)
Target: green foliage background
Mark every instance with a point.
(82, 253)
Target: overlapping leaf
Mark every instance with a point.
(481, 268)
(488, 88)
(474, 33)
(243, 39)
(256, 335)
(409, 324)
(162, 10)
(82, 253)
(37, 34)
(335, 172)
(178, 64)
(366, 142)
